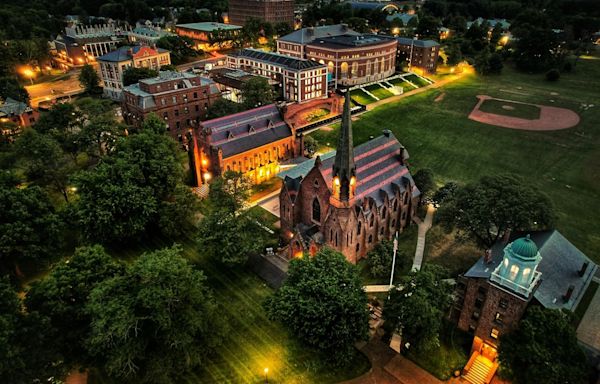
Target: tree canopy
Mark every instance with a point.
(424, 180)
(417, 306)
(132, 75)
(543, 349)
(257, 92)
(89, 79)
(155, 323)
(489, 207)
(380, 260)
(322, 304)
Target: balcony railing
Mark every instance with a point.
(520, 289)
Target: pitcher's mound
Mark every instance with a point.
(549, 119)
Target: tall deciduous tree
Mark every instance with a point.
(88, 78)
(10, 87)
(322, 304)
(155, 323)
(417, 306)
(257, 92)
(63, 295)
(380, 260)
(424, 180)
(132, 75)
(222, 107)
(543, 349)
(488, 208)
(29, 227)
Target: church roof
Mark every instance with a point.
(247, 130)
(379, 168)
(560, 264)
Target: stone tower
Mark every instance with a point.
(344, 169)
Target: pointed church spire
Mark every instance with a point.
(344, 170)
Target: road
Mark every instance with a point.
(52, 89)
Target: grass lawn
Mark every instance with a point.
(564, 164)
(253, 341)
(416, 80)
(379, 91)
(361, 97)
(523, 111)
(402, 84)
(444, 249)
(317, 114)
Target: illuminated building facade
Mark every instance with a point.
(419, 53)
(17, 112)
(180, 98)
(113, 64)
(252, 142)
(542, 268)
(349, 201)
(209, 36)
(272, 11)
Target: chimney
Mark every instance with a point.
(584, 268)
(387, 132)
(567, 296)
(506, 236)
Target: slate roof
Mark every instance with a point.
(209, 26)
(345, 41)
(561, 262)
(307, 35)
(247, 130)
(379, 169)
(12, 107)
(273, 58)
(417, 43)
(122, 53)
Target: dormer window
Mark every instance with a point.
(230, 135)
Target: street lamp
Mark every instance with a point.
(29, 73)
(266, 375)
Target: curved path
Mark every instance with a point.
(551, 118)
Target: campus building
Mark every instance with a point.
(350, 200)
(209, 36)
(293, 44)
(301, 80)
(541, 268)
(81, 44)
(353, 60)
(252, 142)
(113, 64)
(273, 11)
(146, 33)
(231, 83)
(17, 112)
(180, 98)
(421, 54)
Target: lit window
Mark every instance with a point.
(526, 273)
(495, 333)
(514, 270)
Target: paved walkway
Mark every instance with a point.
(379, 355)
(588, 331)
(408, 372)
(423, 228)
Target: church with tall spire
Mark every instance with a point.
(350, 199)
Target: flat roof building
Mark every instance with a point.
(419, 53)
(208, 36)
(272, 11)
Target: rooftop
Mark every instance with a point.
(417, 42)
(307, 35)
(289, 62)
(209, 26)
(126, 53)
(345, 41)
(240, 132)
(560, 264)
(11, 107)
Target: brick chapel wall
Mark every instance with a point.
(313, 185)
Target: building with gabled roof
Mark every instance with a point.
(252, 142)
(349, 201)
(541, 268)
(17, 112)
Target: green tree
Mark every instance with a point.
(428, 27)
(310, 145)
(257, 92)
(10, 87)
(99, 136)
(495, 63)
(536, 46)
(177, 212)
(446, 191)
(156, 323)
(543, 349)
(181, 48)
(26, 345)
(380, 260)
(423, 178)
(222, 107)
(482, 63)
(88, 78)
(453, 54)
(417, 306)
(63, 123)
(488, 208)
(322, 304)
(228, 233)
(29, 227)
(132, 75)
(44, 161)
(62, 297)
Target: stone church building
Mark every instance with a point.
(349, 201)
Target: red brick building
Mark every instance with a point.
(180, 98)
(421, 54)
(353, 60)
(273, 11)
(252, 142)
(349, 201)
(543, 268)
(17, 112)
(293, 44)
(301, 80)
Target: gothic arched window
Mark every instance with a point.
(359, 227)
(316, 210)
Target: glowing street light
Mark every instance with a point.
(29, 73)
(266, 371)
